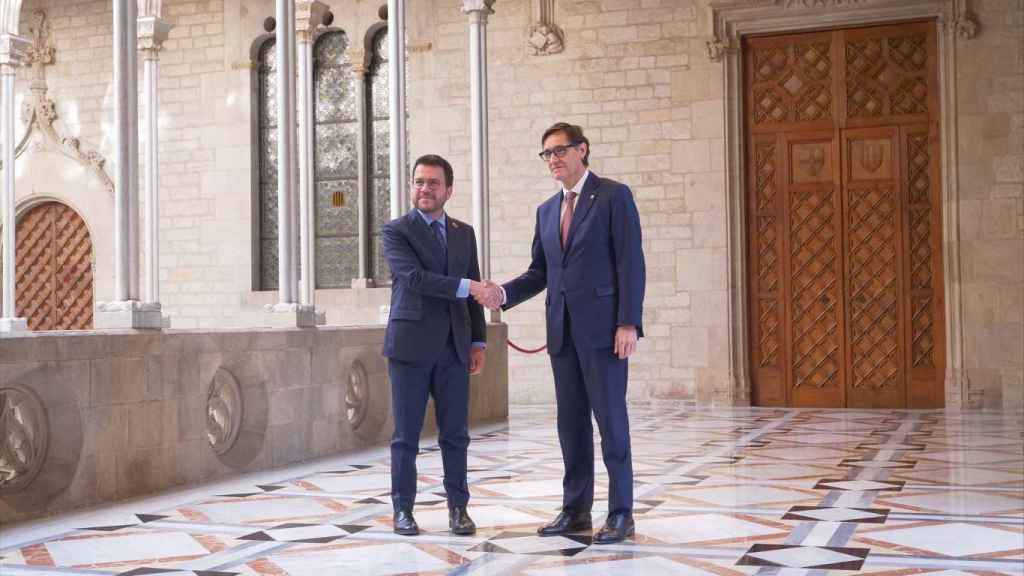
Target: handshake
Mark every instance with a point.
(487, 293)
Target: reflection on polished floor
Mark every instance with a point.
(744, 491)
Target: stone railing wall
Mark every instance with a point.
(94, 417)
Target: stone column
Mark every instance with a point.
(13, 50)
(126, 311)
(309, 16)
(360, 67)
(478, 11)
(153, 31)
(287, 312)
(396, 104)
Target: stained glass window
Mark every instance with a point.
(266, 94)
(336, 129)
(379, 194)
(336, 166)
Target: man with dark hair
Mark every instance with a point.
(587, 253)
(435, 339)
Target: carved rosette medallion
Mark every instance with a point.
(357, 395)
(24, 438)
(223, 411)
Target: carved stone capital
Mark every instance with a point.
(309, 15)
(965, 26)
(545, 39)
(717, 48)
(357, 56)
(14, 50)
(481, 8)
(153, 32)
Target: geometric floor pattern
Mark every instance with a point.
(741, 491)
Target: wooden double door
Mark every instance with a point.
(843, 218)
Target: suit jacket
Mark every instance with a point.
(423, 303)
(600, 277)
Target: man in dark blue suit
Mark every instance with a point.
(587, 253)
(435, 339)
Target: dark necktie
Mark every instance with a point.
(570, 199)
(439, 235)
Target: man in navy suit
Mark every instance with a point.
(587, 253)
(435, 339)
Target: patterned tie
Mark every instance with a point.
(439, 235)
(570, 198)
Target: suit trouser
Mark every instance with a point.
(446, 378)
(592, 379)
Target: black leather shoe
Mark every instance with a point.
(567, 521)
(459, 522)
(616, 528)
(405, 524)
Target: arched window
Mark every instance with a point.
(337, 129)
(336, 166)
(265, 253)
(379, 193)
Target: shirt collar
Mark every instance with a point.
(442, 219)
(578, 188)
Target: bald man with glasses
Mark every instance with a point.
(587, 253)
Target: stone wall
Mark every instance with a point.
(132, 413)
(991, 128)
(634, 73)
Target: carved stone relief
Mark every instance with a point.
(39, 112)
(545, 37)
(223, 411)
(357, 395)
(24, 438)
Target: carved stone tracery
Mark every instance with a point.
(223, 411)
(24, 438)
(39, 112)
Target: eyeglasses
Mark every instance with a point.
(556, 151)
(431, 183)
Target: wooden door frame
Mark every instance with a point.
(731, 20)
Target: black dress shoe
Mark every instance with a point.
(459, 522)
(405, 524)
(567, 521)
(616, 528)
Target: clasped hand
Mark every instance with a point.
(487, 293)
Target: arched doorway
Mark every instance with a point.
(54, 269)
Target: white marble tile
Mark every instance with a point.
(953, 539)
(123, 548)
(702, 527)
(636, 567)
(961, 502)
(803, 557)
(399, 558)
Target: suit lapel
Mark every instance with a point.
(585, 201)
(454, 232)
(426, 243)
(550, 213)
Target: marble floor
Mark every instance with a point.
(745, 491)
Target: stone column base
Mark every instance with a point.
(13, 325)
(292, 315)
(363, 283)
(128, 314)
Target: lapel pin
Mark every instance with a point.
(454, 225)
(592, 196)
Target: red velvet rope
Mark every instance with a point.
(526, 350)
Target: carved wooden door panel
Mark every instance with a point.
(54, 269)
(843, 220)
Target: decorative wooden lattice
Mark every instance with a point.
(54, 269)
(843, 219)
(792, 82)
(814, 254)
(887, 75)
(873, 288)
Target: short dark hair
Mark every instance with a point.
(573, 132)
(439, 162)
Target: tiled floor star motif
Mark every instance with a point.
(734, 492)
